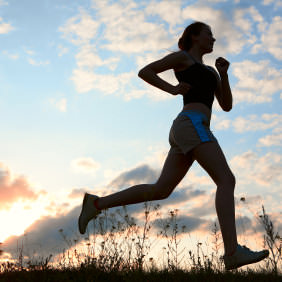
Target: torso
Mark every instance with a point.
(198, 106)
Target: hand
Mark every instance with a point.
(182, 88)
(222, 65)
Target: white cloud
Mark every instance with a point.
(86, 80)
(246, 20)
(85, 165)
(62, 50)
(229, 39)
(257, 81)
(277, 3)
(128, 27)
(10, 55)
(80, 29)
(256, 123)
(272, 38)
(88, 57)
(169, 11)
(270, 140)
(5, 27)
(262, 170)
(250, 123)
(61, 104)
(127, 30)
(37, 63)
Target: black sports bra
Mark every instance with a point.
(203, 82)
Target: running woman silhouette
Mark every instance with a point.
(190, 139)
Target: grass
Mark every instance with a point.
(118, 249)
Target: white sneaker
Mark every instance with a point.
(88, 212)
(243, 256)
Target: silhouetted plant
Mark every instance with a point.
(272, 241)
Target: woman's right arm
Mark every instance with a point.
(171, 61)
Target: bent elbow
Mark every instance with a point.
(227, 109)
(141, 73)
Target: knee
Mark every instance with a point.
(228, 182)
(161, 192)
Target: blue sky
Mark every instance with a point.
(76, 117)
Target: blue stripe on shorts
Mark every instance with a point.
(197, 120)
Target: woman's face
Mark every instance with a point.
(205, 40)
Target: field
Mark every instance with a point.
(119, 250)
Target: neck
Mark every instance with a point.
(196, 54)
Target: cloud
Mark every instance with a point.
(85, 165)
(138, 175)
(138, 36)
(261, 170)
(277, 3)
(257, 81)
(61, 104)
(10, 55)
(77, 192)
(189, 223)
(43, 235)
(86, 80)
(270, 140)
(5, 27)
(250, 123)
(229, 39)
(88, 57)
(3, 3)
(80, 29)
(272, 38)
(46, 235)
(37, 63)
(14, 188)
(256, 123)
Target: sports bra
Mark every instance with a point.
(203, 83)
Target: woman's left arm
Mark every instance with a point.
(223, 92)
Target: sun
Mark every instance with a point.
(17, 219)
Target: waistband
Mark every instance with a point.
(194, 114)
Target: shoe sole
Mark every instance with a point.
(254, 261)
(86, 196)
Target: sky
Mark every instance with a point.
(76, 117)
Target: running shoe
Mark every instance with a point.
(243, 256)
(88, 212)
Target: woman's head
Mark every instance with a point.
(193, 30)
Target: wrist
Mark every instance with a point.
(223, 75)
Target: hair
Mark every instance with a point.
(185, 41)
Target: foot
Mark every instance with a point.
(243, 256)
(88, 212)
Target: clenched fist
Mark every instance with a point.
(222, 65)
(182, 88)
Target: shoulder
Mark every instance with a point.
(177, 56)
(173, 60)
(179, 60)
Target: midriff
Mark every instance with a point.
(198, 107)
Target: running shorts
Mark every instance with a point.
(189, 129)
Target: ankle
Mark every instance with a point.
(229, 254)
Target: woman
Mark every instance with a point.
(190, 139)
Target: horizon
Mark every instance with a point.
(76, 118)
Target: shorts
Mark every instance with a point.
(189, 129)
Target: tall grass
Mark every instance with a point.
(117, 243)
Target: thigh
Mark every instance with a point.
(175, 168)
(210, 156)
